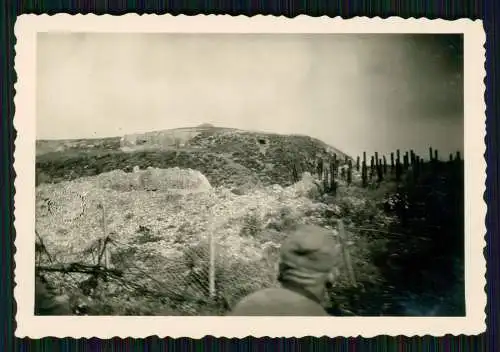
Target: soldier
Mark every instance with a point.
(308, 259)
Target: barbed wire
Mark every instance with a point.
(385, 232)
(187, 277)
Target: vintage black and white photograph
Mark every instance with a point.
(252, 174)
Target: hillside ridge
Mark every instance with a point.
(44, 146)
(227, 156)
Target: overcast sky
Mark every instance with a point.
(355, 92)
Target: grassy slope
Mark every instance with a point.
(226, 157)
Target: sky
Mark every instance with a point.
(356, 92)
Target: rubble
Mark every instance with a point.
(177, 206)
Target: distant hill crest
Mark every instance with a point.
(227, 156)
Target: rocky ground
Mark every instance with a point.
(165, 213)
(154, 218)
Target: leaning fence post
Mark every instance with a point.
(211, 268)
(345, 253)
(104, 252)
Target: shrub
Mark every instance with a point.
(145, 235)
(252, 225)
(286, 220)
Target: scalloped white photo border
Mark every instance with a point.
(29, 325)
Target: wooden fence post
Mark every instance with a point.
(364, 174)
(334, 166)
(372, 167)
(349, 172)
(380, 171)
(320, 168)
(103, 252)
(416, 166)
(333, 183)
(211, 268)
(398, 166)
(325, 180)
(406, 161)
(346, 254)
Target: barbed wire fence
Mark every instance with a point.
(200, 275)
(204, 277)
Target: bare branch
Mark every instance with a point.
(80, 268)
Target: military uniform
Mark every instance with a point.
(281, 301)
(307, 258)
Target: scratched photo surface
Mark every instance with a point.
(250, 174)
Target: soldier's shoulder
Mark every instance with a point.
(256, 299)
(277, 301)
(261, 294)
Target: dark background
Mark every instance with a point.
(450, 10)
